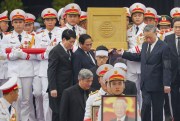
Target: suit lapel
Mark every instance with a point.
(154, 49)
(174, 45)
(88, 58)
(64, 52)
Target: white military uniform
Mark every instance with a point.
(3, 61)
(135, 42)
(5, 115)
(70, 9)
(23, 68)
(79, 30)
(94, 99)
(43, 41)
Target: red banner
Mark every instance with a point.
(29, 50)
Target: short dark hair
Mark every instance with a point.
(175, 20)
(68, 33)
(101, 47)
(83, 38)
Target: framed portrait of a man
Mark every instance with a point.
(119, 108)
(94, 113)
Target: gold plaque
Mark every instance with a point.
(107, 26)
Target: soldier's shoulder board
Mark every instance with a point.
(92, 93)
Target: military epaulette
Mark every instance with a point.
(40, 32)
(6, 33)
(92, 93)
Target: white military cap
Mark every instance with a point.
(137, 8)
(49, 13)
(60, 13)
(30, 18)
(103, 69)
(10, 85)
(115, 74)
(150, 12)
(17, 14)
(72, 8)
(127, 12)
(121, 65)
(175, 12)
(4, 16)
(83, 16)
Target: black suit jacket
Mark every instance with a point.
(59, 72)
(171, 41)
(95, 84)
(130, 88)
(80, 61)
(72, 105)
(155, 69)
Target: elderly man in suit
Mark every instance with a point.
(60, 71)
(74, 98)
(155, 73)
(173, 41)
(120, 109)
(83, 57)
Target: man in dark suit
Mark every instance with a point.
(173, 41)
(60, 71)
(83, 56)
(120, 110)
(155, 73)
(74, 98)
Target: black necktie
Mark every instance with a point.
(149, 50)
(178, 46)
(19, 37)
(73, 28)
(9, 109)
(50, 35)
(137, 29)
(1, 35)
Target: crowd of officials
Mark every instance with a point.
(54, 74)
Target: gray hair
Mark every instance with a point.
(84, 74)
(150, 28)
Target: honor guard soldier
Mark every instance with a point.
(10, 95)
(3, 62)
(150, 15)
(115, 83)
(48, 38)
(3, 23)
(83, 20)
(94, 98)
(150, 18)
(29, 23)
(164, 26)
(72, 14)
(19, 63)
(61, 19)
(135, 39)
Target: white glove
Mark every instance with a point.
(48, 49)
(19, 53)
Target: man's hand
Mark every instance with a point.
(120, 52)
(167, 89)
(53, 93)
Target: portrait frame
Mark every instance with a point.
(109, 107)
(94, 112)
